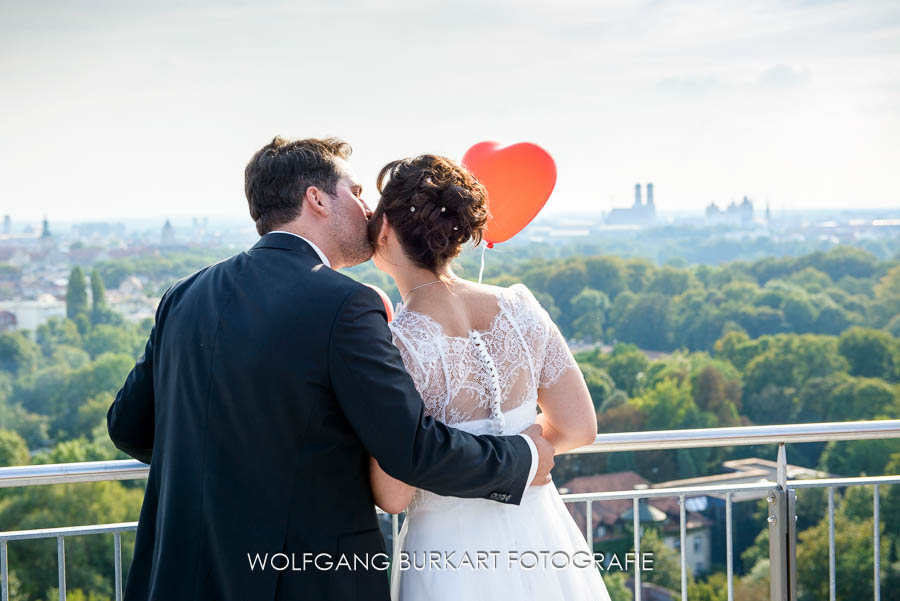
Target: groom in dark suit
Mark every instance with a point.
(267, 381)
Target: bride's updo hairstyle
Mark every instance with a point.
(433, 204)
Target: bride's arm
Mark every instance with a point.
(392, 495)
(568, 417)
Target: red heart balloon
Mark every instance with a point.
(519, 180)
(385, 299)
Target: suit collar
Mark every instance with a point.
(285, 241)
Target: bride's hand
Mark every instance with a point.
(545, 455)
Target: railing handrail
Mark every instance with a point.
(60, 473)
(742, 435)
(130, 469)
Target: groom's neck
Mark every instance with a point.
(315, 237)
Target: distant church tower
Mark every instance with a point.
(651, 208)
(45, 232)
(637, 195)
(168, 232)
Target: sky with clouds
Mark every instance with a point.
(125, 109)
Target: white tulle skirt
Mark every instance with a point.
(529, 551)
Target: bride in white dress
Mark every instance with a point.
(484, 359)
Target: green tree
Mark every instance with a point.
(606, 274)
(13, 450)
(76, 294)
(647, 322)
(713, 393)
(89, 559)
(111, 339)
(890, 500)
(617, 587)
(859, 457)
(627, 368)
(871, 353)
(599, 383)
(714, 588)
(832, 320)
(76, 595)
(670, 406)
(853, 564)
(671, 281)
(18, 354)
(98, 290)
(887, 298)
(666, 564)
(637, 273)
(810, 279)
(57, 331)
(755, 585)
(589, 309)
(800, 313)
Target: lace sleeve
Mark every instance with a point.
(411, 336)
(411, 360)
(557, 359)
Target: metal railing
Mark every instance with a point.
(780, 494)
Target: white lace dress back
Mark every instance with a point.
(475, 382)
(488, 382)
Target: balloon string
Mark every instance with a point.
(481, 271)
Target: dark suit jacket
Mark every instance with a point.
(266, 382)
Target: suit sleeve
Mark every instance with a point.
(131, 420)
(380, 401)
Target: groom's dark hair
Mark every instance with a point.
(278, 175)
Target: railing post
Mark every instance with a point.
(637, 548)
(782, 536)
(117, 560)
(4, 571)
(877, 539)
(729, 546)
(589, 524)
(777, 559)
(831, 577)
(61, 560)
(682, 534)
(395, 536)
(792, 542)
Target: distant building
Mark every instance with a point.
(735, 213)
(45, 230)
(639, 213)
(611, 518)
(29, 314)
(7, 224)
(131, 286)
(8, 321)
(168, 233)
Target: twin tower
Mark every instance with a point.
(637, 196)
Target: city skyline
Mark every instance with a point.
(153, 109)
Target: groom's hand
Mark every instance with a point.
(545, 454)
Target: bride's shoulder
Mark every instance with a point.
(518, 293)
(409, 323)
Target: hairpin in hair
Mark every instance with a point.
(412, 209)
(455, 228)
(443, 209)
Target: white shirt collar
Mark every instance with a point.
(314, 247)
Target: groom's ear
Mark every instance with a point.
(315, 200)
